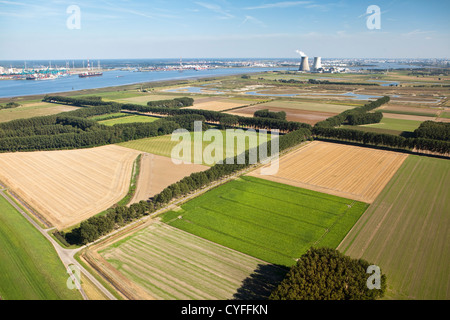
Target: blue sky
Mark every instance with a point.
(35, 29)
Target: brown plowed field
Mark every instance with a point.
(217, 105)
(157, 173)
(347, 171)
(67, 187)
(305, 116)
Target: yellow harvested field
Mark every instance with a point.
(216, 105)
(69, 186)
(158, 172)
(347, 171)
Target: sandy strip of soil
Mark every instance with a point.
(158, 172)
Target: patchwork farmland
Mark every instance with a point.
(354, 172)
(227, 234)
(273, 222)
(67, 187)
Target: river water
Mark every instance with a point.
(15, 88)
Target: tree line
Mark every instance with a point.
(358, 118)
(59, 132)
(175, 103)
(433, 130)
(383, 139)
(210, 116)
(97, 226)
(265, 113)
(429, 137)
(357, 113)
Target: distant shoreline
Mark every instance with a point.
(129, 86)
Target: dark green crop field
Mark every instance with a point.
(268, 220)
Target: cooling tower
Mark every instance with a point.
(304, 66)
(317, 63)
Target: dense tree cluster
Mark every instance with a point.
(357, 112)
(433, 130)
(94, 227)
(9, 105)
(265, 113)
(79, 101)
(327, 274)
(63, 132)
(382, 139)
(175, 103)
(359, 118)
(187, 121)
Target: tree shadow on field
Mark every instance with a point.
(260, 284)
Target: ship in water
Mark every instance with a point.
(90, 73)
(38, 76)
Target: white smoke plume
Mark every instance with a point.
(301, 53)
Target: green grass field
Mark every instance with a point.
(163, 146)
(270, 221)
(30, 269)
(395, 124)
(128, 119)
(431, 114)
(406, 231)
(109, 116)
(372, 129)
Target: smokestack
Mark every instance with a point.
(317, 63)
(304, 66)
